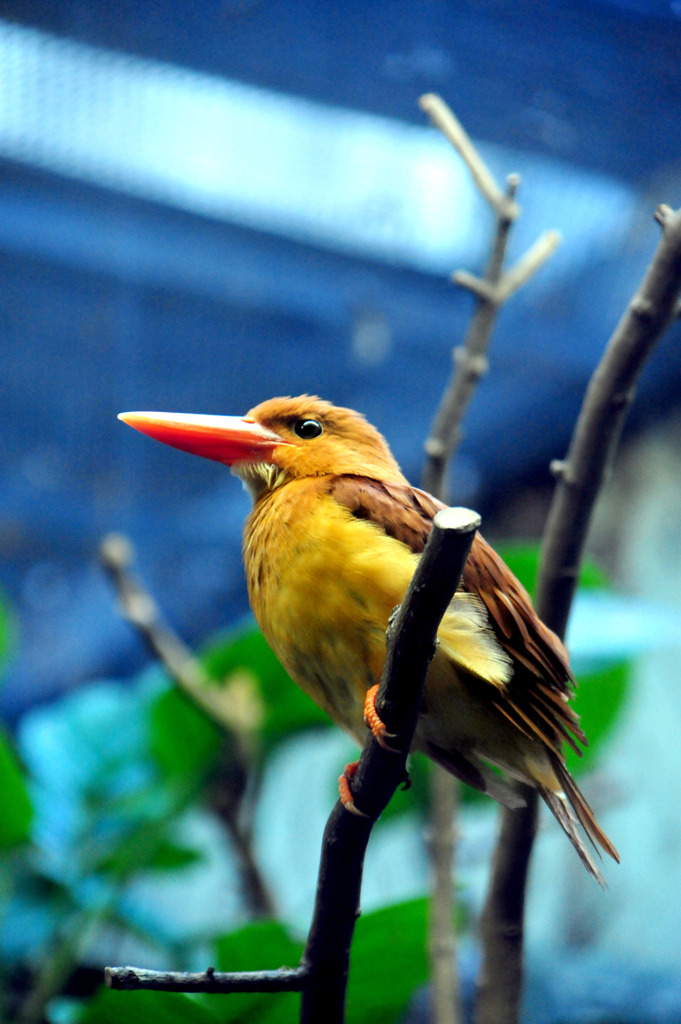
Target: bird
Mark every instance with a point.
(331, 542)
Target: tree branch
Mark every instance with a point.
(285, 979)
(580, 476)
(411, 643)
(528, 264)
(138, 607)
(444, 119)
(445, 996)
(597, 432)
(491, 292)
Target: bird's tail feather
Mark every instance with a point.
(571, 810)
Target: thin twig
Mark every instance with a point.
(138, 607)
(470, 363)
(513, 279)
(285, 979)
(528, 264)
(592, 448)
(452, 129)
(491, 291)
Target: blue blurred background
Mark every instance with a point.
(204, 205)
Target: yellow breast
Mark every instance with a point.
(322, 585)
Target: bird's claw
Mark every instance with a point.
(373, 721)
(345, 793)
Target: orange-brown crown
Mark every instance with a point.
(347, 443)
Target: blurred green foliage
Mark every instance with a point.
(523, 560)
(263, 945)
(389, 962)
(598, 701)
(286, 709)
(8, 629)
(108, 1007)
(102, 793)
(17, 809)
(182, 740)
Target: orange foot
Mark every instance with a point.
(373, 721)
(344, 790)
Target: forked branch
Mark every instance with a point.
(580, 476)
(491, 291)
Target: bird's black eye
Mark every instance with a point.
(307, 429)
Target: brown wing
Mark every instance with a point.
(397, 508)
(538, 693)
(535, 699)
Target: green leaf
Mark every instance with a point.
(110, 1007)
(599, 698)
(173, 857)
(17, 811)
(287, 709)
(388, 962)
(264, 945)
(257, 946)
(143, 851)
(183, 741)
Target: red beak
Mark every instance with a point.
(227, 439)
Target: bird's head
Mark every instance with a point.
(277, 441)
